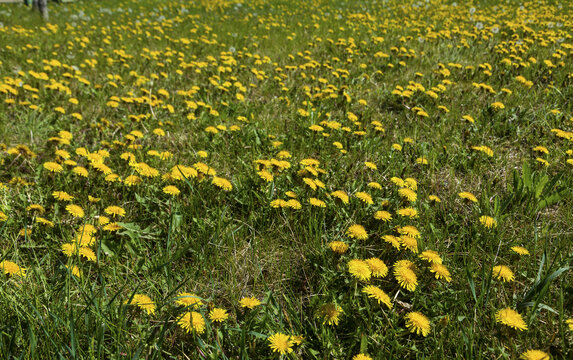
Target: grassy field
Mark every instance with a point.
(326, 179)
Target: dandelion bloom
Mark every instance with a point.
(171, 190)
(75, 210)
(417, 323)
(520, 250)
(468, 196)
(341, 195)
(441, 272)
(316, 202)
(357, 232)
(408, 212)
(406, 277)
(534, 355)
(192, 321)
(365, 197)
(434, 198)
(410, 231)
(280, 343)
(382, 215)
(488, 222)
(218, 315)
(53, 167)
(74, 270)
(249, 302)
(330, 313)
(62, 195)
(12, 269)
(502, 272)
(511, 318)
(222, 183)
(569, 323)
(409, 243)
(408, 194)
(361, 357)
(359, 269)
(338, 247)
(392, 240)
(377, 294)
(378, 267)
(114, 210)
(188, 299)
(431, 256)
(293, 204)
(144, 302)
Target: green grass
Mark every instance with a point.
(178, 66)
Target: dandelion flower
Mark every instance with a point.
(114, 210)
(406, 277)
(431, 256)
(441, 272)
(502, 272)
(12, 269)
(408, 194)
(417, 323)
(520, 250)
(171, 190)
(218, 315)
(409, 243)
(434, 198)
(222, 183)
(382, 215)
(188, 299)
(408, 212)
(392, 240)
(53, 167)
(143, 302)
(330, 313)
(316, 202)
(361, 357)
(365, 197)
(192, 321)
(357, 232)
(377, 294)
(359, 269)
(74, 270)
(249, 302)
(534, 355)
(280, 343)
(377, 267)
(294, 204)
(75, 210)
(468, 196)
(338, 247)
(341, 195)
(488, 222)
(410, 231)
(62, 196)
(511, 318)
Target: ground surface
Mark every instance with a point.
(305, 179)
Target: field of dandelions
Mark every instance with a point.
(286, 179)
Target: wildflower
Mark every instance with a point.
(218, 315)
(341, 195)
(316, 202)
(468, 196)
(74, 270)
(434, 198)
(488, 221)
(406, 277)
(441, 272)
(171, 190)
(431, 256)
(330, 313)
(357, 232)
(361, 357)
(62, 196)
(408, 194)
(114, 210)
(378, 294)
(222, 183)
(497, 105)
(511, 318)
(365, 197)
(188, 299)
(53, 167)
(249, 302)
(293, 204)
(192, 320)
(377, 267)
(417, 323)
(408, 212)
(87, 253)
(569, 323)
(382, 215)
(12, 269)
(143, 302)
(3, 216)
(392, 240)
(534, 355)
(132, 180)
(75, 210)
(338, 247)
(359, 269)
(502, 272)
(280, 343)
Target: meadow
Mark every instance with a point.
(286, 179)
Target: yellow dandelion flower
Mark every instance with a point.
(408, 194)
(534, 355)
(294, 204)
(392, 240)
(12, 269)
(409, 243)
(249, 302)
(359, 269)
(418, 323)
(74, 270)
(280, 343)
(144, 302)
(488, 221)
(468, 196)
(75, 210)
(382, 215)
(377, 267)
(316, 202)
(114, 210)
(406, 277)
(410, 231)
(408, 212)
(378, 294)
(171, 190)
(440, 272)
(53, 167)
(189, 299)
(357, 232)
(431, 256)
(222, 183)
(192, 321)
(62, 196)
(341, 195)
(434, 198)
(520, 250)
(218, 315)
(370, 165)
(87, 253)
(502, 272)
(330, 313)
(569, 323)
(511, 318)
(338, 247)
(365, 197)
(361, 357)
